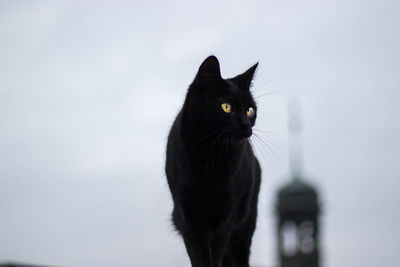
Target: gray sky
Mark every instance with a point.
(88, 91)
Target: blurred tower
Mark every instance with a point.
(297, 208)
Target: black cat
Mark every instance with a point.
(212, 172)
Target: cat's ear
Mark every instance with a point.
(209, 69)
(244, 80)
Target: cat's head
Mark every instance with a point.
(215, 104)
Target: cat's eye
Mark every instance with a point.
(250, 112)
(226, 107)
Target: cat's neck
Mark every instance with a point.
(214, 150)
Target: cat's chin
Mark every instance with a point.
(245, 134)
(242, 137)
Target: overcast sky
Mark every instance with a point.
(88, 91)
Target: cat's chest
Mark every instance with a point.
(215, 183)
(214, 174)
(209, 164)
(214, 198)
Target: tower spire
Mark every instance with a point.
(295, 140)
(297, 206)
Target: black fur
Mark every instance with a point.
(212, 172)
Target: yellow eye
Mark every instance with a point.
(250, 112)
(226, 107)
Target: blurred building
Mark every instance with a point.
(297, 208)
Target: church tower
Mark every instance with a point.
(297, 208)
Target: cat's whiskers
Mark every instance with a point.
(266, 144)
(226, 145)
(264, 131)
(224, 131)
(262, 86)
(264, 147)
(203, 138)
(264, 134)
(266, 94)
(255, 146)
(258, 147)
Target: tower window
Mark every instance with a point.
(289, 238)
(306, 237)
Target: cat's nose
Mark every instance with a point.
(245, 124)
(246, 128)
